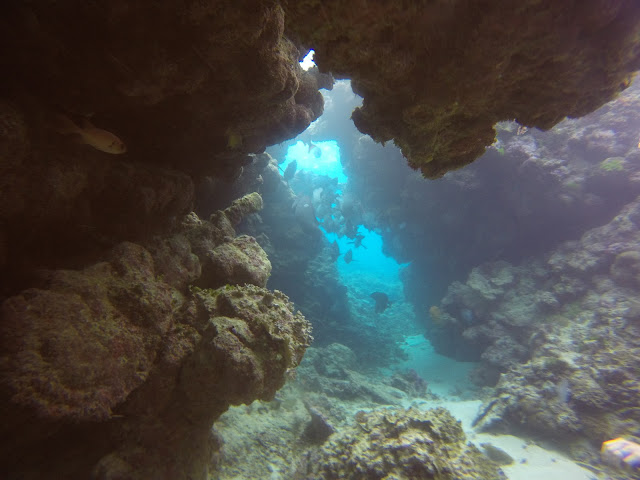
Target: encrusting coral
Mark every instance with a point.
(123, 349)
(401, 444)
(436, 76)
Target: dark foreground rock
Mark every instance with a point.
(125, 367)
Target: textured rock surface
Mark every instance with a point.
(51, 338)
(179, 100)
(102, 338)
(123, 366)
(526, 195)
(401, 444)
(436, 76)
(563, 333)
(224, 83)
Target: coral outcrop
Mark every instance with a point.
(562, 332)
(437, 76)
(105, 361)
(401, 444)
(533, 190)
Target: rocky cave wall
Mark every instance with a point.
(103, 341)
(527, 194)
(559, 334)
(437, 75)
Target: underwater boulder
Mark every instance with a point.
(237, 262)
(422, 444)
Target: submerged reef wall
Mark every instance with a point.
(401, 444)
(117, 119)
(85, 79)
(436, 76)
(531, 191)
(124, 366)
(562, 330)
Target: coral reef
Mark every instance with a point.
(193, 103)
(545, 188)
(127, 327)
(436, 77)
(559, 335)
(401, 444)
(269, 438)
(124, 350)
(334, 372)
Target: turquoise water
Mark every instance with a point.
(321, 158)
(370, 270)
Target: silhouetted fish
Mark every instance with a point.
(357, 242)
(335, 251)
(348, 257)
(315, 151)
(382, 301)
(290, 171)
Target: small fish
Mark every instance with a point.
(335, 251)
(290, 171)
(89, 134)
(348, 257)
(382, 301)
(315, 151)
(358, 241)
(563, 391)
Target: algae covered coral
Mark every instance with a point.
(402, 444)
(126, 350)
(139, 290)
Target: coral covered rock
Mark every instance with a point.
(242, 207)
(436, 77)
(123, 350)
(79, 347)
(564, 337)
(243, 342)
(402, 444)
(255, 334)
(239, 261)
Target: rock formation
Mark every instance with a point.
(125, 366)
(436, 76)
(127, 327)
(563, 332)
(401, 443)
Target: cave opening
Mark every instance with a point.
(212, 268)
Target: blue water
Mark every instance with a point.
(321, 158)
(370, 270)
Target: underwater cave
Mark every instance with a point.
(319, 240)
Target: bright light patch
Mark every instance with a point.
(307, 61)
(371, 270)
(321, 158)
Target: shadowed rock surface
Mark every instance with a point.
(113, 364)
(125, 368)
(436, 76)
(563, 332)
